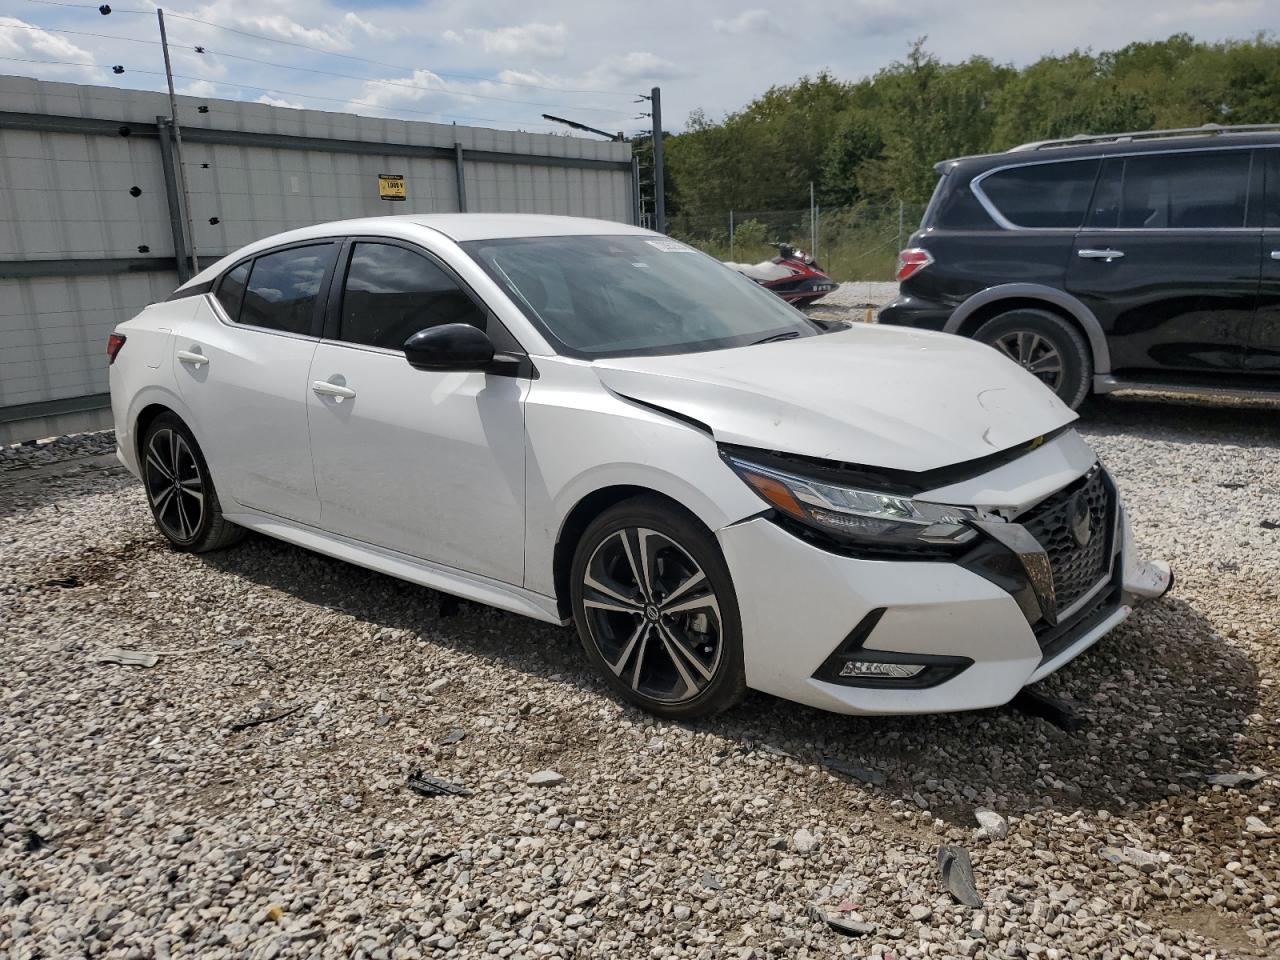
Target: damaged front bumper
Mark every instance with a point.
(807, 611)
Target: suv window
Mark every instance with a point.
(1043, 194)
(391, 293)
(283, 288)
(1173, 191)
(231, 289)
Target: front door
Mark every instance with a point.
(242, 370)
(1168, 259)
(429, 464)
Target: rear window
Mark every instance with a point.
(1174, 191)
(1044, 195)
(283, 288)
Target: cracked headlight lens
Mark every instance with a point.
(864, 516)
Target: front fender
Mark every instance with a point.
(582, 439)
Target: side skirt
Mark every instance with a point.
(492, 593)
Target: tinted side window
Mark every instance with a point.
(959, 209)
(392, 293)
(1272, 168)
(283, 288)
(231, 290)
(1185, 191)
(1043, 194)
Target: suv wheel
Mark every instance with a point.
(180, 491)
(656, 611)
(1045, 345)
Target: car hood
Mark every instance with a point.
(877, 396)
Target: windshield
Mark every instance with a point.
(631, 295)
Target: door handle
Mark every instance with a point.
(324, 388)
(1275, 254)
(1088, 253)
(193, 358)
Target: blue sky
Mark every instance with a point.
(503, 63)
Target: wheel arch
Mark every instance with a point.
(991, 302)
(580, 517)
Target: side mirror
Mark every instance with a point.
(450, 346)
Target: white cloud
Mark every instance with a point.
(20, 41)
(533, 39)
(276, 102)
(755, 20)
(199, 88)
(355, 22)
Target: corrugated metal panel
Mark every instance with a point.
(67, 196)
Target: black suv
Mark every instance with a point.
(1146, 259)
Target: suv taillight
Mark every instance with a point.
(114, 343)
(912, 260)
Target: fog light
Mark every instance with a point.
(871, 668)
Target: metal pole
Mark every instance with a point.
(730, 234)
(460, 169)
(659, 185)
(177, 139)
(899, 224)
(635, 190)
(813, 228)
(817, 230)
(171, 197)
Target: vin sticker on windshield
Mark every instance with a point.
(670, 246)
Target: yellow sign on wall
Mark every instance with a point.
(391, 186)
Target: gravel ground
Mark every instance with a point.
(246, 797)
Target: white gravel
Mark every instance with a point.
(144, 813)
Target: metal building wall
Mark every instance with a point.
(91, 229)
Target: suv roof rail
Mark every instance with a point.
(1208, 129)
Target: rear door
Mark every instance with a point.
(1263, 356)
(243, 370)
(1168, 260)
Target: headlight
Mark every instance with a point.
(862, 516)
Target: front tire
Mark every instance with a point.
(180, 490)
(656, 611)
(1045, 345)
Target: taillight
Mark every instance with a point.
(912, 260)
(114, 343)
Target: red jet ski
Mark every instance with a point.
(793, 275)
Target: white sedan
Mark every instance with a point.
(578, 420)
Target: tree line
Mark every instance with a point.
(876, 140)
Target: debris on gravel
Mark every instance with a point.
(134, 822)
(990, 824)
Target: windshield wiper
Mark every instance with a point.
(789, 335)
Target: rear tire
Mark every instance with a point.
(1047, 346)
(180, 490)
(656, 611)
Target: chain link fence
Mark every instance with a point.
(859, 242)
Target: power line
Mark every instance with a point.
(283, 93)
(334, 53)
(401, 83)
(284, 66)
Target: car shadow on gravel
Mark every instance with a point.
(1165, 699)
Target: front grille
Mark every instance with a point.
(1076, 569)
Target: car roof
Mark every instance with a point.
(459, 227)
(472, 226)
(1066, 150)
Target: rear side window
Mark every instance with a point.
(391, 293)
(1174, 191)
(957, 208)
(1054, 195)
(231, 290)
(283, 288)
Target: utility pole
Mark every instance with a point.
(659, 187)
(177, 140)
